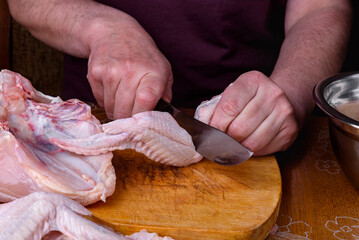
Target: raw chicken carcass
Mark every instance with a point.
(40, 214)
(29, 162)
(55, 146)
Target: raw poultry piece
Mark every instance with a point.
(206, 109)
(40, 214)
(86, 179)
(55, 146)
(29, 162)
(155, 134)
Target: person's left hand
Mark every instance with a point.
(256, 112)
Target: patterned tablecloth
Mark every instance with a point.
(318, 201)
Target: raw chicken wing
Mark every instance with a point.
(40, 214)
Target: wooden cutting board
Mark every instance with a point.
(201, 201)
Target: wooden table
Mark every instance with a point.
(318, 201)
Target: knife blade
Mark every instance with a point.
(210, 142)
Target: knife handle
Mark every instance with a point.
(164, 106)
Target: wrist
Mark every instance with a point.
(298, 94)
(113, 24)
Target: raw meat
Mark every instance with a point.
(22, 171)
(155, 134)
(29, 162)
(41, 214)
(206, 109)
(55, 146)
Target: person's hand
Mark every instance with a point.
(126, 71)
(257, 113)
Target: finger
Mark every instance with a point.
(149, 91)
(253, 114)
(264, 133)
(98, 92)
(275, 133)
(287, 132)
(124, 98)
(96, 87)
(167, 95)
(235, 97)
(251, 117)
(110, 89)
(280, 142)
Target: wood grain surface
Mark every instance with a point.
(201, 201)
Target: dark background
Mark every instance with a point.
(43, 65)
(352, 60)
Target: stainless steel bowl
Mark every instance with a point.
(338, 97)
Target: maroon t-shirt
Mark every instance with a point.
(209, 43)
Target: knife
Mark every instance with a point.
(210, 142)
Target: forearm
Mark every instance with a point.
(69, 26)
(314, 48)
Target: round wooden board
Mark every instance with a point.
(201, 201)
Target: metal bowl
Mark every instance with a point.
(338, 97)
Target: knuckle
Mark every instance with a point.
(278, 98)
(286, 110)
(96, 72)
(164, 64)
(229, 106)
(127, 70)
(113, 71)
(277, 92)
(104, 73)
(251, 81)
(162, 69)
(255, 75)
(147, 96)
(238, 130)
(251, 144)
(168, 67)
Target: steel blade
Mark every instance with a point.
(210, 142)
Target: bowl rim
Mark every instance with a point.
(325, 106)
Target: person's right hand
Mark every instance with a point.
(126, 71)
